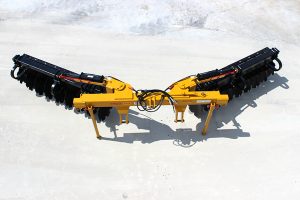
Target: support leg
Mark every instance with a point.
(179, 109)
(123, 112)
(182, 116)
(90, 109)
(208, 118)
(176, 116)
(122, 120)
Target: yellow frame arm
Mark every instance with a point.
(122, 96)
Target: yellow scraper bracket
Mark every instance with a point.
(122, 96)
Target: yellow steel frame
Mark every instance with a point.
(121, 96)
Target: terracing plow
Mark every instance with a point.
(97, 94)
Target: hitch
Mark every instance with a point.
(150, 100)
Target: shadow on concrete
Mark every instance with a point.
(186, 137)
(181, 137)
(156, 131)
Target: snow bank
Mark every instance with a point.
(264, 20)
